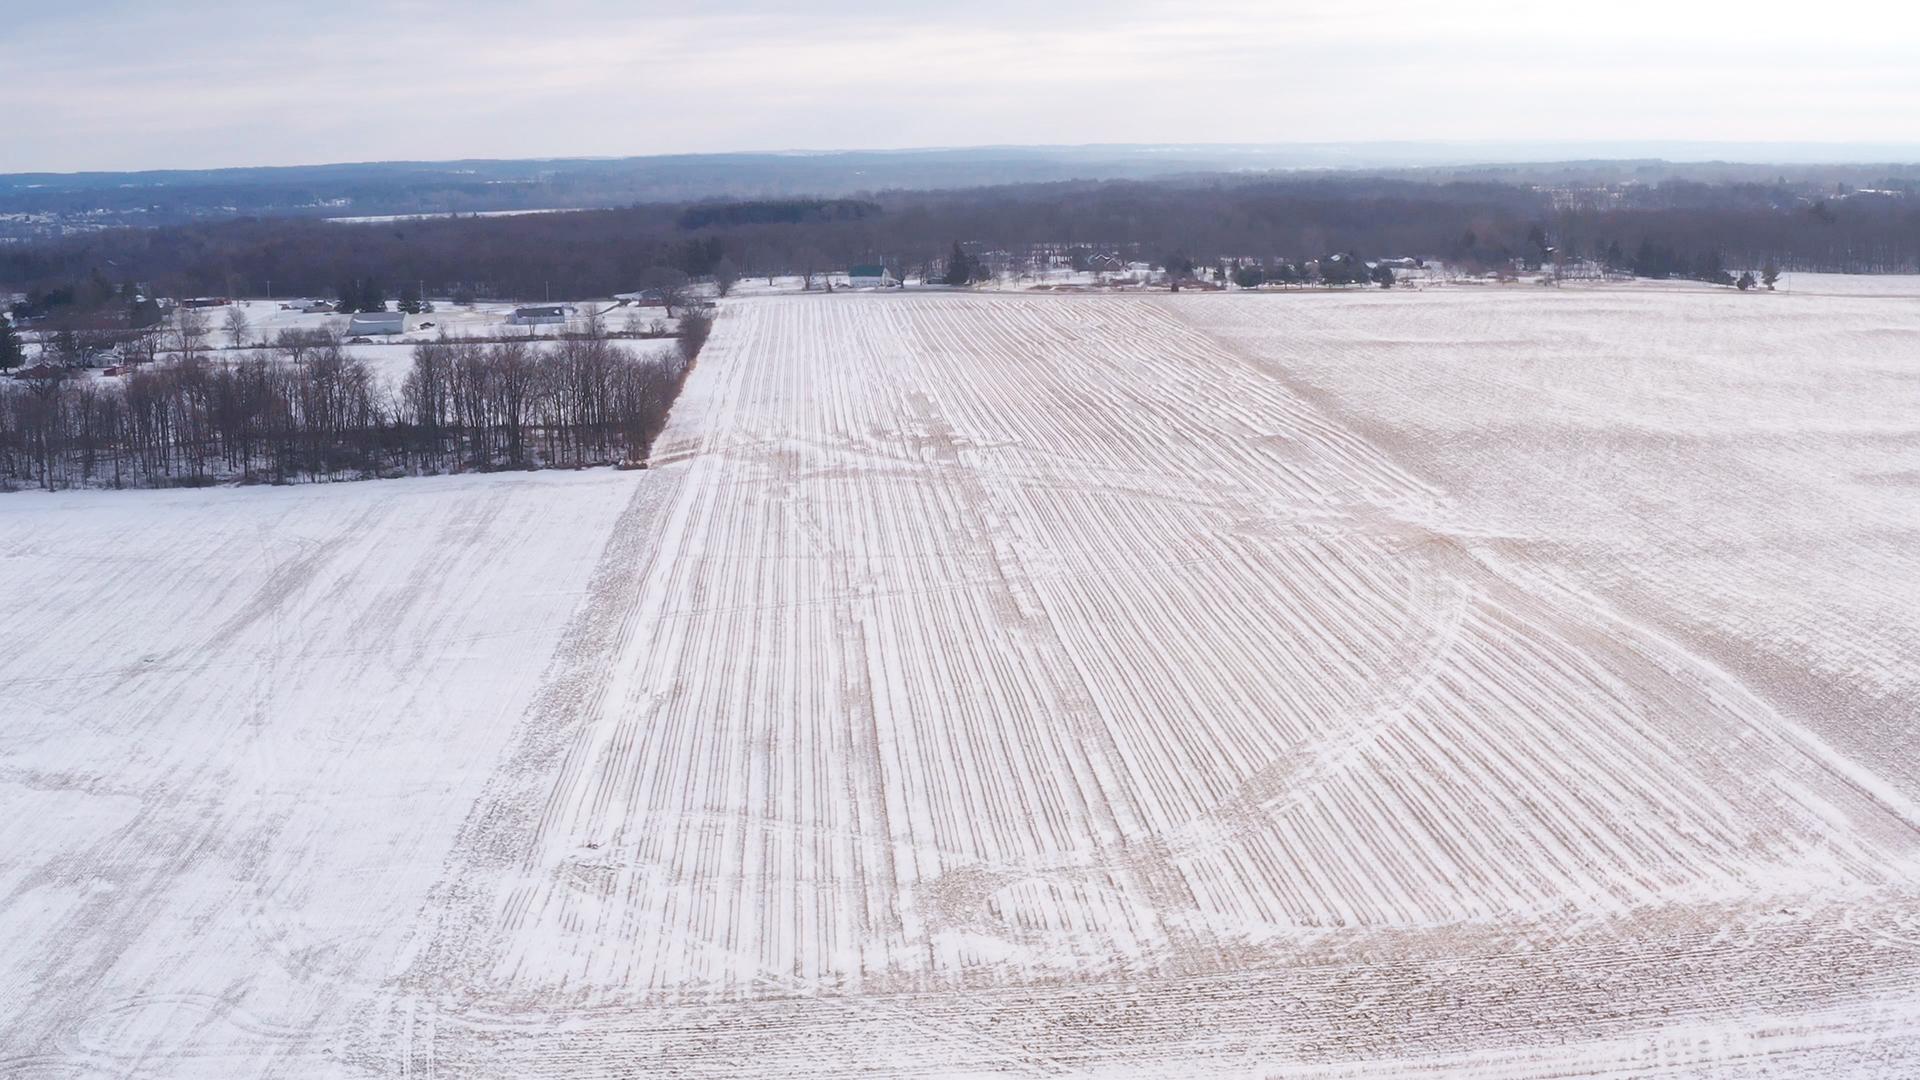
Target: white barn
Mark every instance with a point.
(378, 322)
(871, 277)
(540, 315)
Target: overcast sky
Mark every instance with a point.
(195, 83)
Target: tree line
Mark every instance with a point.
(308, 410)
(601, 252)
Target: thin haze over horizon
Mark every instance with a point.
(116, 85)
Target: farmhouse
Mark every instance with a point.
(378, 322)
(540, 315)
(871, 276)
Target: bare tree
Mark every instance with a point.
(43, 419)
(668, 284)
(313, 411)
(239, 331)
(724, 275)
(809, 260)
(514, 382)
(694, 329)
(189, 332)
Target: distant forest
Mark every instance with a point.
(1654, 229)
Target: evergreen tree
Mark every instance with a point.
(1746, 281)
(1769, 274)
(372, 297)
(1654, 261)
(12, 353)
(1710, 268)
(349, 301)
(1383, 276)
(410, 298)
(959, 266)
(1343, 268)
(1536, 247)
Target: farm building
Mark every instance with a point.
(378, 322)
(872, 276)
(540, 315)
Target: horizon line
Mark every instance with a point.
(1909, 148)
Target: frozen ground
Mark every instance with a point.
(1505, 682)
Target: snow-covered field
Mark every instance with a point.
(239, 731)
(1507, 682)
(390, 358)
(266, 318)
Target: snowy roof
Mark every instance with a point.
(377, 320)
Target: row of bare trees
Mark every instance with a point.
(307, 409)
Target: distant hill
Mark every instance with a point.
(54, 203)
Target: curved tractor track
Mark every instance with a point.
(1003, 685)
(1043, 686)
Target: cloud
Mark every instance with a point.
(201, 84)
